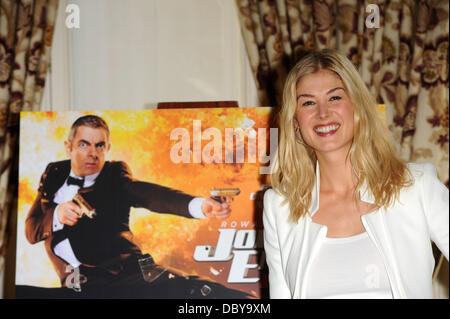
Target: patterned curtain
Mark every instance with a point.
(402, 57)
(26, 32)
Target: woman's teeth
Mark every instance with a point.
(327, 128)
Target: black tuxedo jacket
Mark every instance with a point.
(102, 241)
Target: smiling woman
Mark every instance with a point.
(350, 198)
(312, 98)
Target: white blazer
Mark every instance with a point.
(401, 233)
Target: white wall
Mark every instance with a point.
(133, 54)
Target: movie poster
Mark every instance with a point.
(196, 151)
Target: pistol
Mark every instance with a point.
(220, 194)
(86, 209)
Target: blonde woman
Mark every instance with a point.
(345, 217)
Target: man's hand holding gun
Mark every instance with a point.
(218, 206)
(69, 212)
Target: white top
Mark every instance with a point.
(348, 268)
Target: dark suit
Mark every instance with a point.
(100, 243)
(109, 260)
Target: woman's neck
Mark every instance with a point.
(336, 174)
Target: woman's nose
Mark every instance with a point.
(323, 110)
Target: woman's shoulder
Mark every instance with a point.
(271, 196)
(425, 178)
(422, 171)
(421, 168)
(276, 202)
(276, 207)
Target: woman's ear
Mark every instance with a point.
(296, 125)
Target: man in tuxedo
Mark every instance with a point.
(98, 249)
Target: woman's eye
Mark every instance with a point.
(307, 103)
(335, 98)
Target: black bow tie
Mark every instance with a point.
(75, 181)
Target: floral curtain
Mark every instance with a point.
(403, 60)
(402, 57)
(26, 32)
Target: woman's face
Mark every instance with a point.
(324, 113)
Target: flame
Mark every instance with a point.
(26, 194)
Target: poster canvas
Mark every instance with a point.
(188, 150)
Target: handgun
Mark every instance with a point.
(150, 270)
(220, 194)
(86, 209)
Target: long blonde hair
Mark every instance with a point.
(372, 158)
